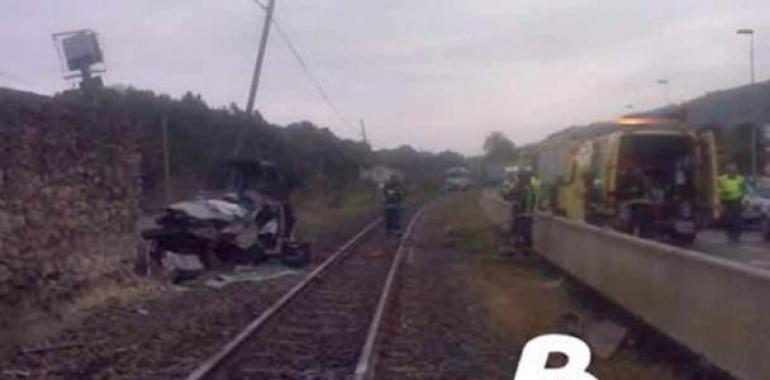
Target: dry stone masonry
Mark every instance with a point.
(69, 192)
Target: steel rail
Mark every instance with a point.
(367, 359)
(213, 362)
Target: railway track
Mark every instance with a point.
(327, 326)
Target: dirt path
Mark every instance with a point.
(319, 334)
(464, 311)
(159, 335)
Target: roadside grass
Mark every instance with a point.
(103, 280)
(319, 216)
(516, 304)
(468, 229)
(522, 298)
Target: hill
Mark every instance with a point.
(730, 108)
(733, 113)
(201, 138)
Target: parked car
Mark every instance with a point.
(457, 179)
(457, 184)
(757, 206)
(757, 203)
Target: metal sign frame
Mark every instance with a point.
(96, 67)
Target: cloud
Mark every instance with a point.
(435, 74)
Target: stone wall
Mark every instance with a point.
(69, 193)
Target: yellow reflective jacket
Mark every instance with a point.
(532, 195)
(731, 188)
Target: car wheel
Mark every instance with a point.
(296, 255)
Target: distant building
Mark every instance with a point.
(380, 174)
(457, 178)
(458, 171)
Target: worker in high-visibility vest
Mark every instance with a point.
(509, 192)
(533, 193)
(393, 194)
(525, 201)
(732, 191)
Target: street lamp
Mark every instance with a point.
(664, 83)
(750, 33)
(754, 157)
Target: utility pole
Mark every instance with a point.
(363, 131)
(750, 33)
(166, 160)
(664, 83)
(754, 154)
(257, 71)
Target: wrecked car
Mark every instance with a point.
(247, 225)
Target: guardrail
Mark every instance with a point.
(718, 308)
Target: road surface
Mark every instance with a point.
(751, 250)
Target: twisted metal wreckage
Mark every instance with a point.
(247, 225)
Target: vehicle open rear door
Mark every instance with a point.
(708, 160)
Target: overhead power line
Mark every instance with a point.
(21, 83)
(15, 78)
(308, 73)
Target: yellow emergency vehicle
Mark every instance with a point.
(649, 176)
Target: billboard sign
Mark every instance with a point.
(79, 53)
(81, 50)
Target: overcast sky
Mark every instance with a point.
(436, 74)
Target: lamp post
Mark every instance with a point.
(664, 83)
(750, 33)
(754, 156)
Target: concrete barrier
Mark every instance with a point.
(718, 308)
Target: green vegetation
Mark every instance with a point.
(499, 148)
(201, 138)
(350, 207)
(468, 229)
